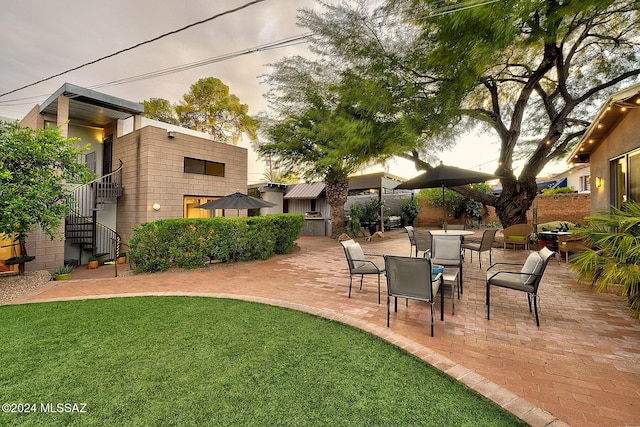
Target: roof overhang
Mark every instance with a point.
(611, 114)
(91, 107)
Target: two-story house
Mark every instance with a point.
(147, 171)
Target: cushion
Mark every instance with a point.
(356, 253)
(523, 238)
(532, 265)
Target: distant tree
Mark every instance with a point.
(531, 72)
(160, 109)
(36, 167)
(209, 107)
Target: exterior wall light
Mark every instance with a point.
(171, 134)
(156, 206)
(598, 181)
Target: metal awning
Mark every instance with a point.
(91, 107)
(305, 191)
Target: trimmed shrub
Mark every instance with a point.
(191, 243)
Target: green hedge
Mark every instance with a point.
(191, 243)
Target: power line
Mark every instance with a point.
(286, 42)
(226, 12)
(290, 41)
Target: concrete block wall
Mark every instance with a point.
(153, 173)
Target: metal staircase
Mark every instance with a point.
(81, 226)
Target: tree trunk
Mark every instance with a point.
(337, 192)
(515, 200)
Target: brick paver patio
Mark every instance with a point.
(581, 367)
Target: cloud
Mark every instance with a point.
(45, 38)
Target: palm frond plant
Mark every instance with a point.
(615, 257)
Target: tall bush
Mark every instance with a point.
(191, 243)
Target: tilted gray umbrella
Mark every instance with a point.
(446, 176)
(237, 201)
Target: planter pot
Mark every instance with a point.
(62, 276)
(92, 265)
(122, 260)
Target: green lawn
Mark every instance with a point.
(204, 361)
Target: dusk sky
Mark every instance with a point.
(40, 39)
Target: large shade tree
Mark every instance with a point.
(37, 168)
(325, 128)
(531, 72)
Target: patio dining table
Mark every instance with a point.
(460, 233)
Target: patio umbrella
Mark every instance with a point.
(237, 201)
(446, 176)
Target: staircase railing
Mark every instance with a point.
(82, 227)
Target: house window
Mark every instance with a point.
(191, 211)
(585, 183)
(625, 173)
(203, 167)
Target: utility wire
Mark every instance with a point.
(302, 38)
(291, 41)
(286, 42)
(226, 12)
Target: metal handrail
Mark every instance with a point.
(83, 202)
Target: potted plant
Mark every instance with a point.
(122, 258)
(410, 210)
(62, 273)
(371, 214)
(93, 262)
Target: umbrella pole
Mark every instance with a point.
(444, 210)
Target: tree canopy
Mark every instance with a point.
(323, 129)
(35, 167)
(531, 72)
(207, 107)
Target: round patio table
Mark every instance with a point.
(451, 232)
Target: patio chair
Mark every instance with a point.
(411, 278)
(518, 234)
(412, 239)
(575, 244)
(483, 245)
(359, 264)
(526, 280)
(447, 251)
(455, 227)
(423, 241)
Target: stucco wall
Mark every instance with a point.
(621, 140)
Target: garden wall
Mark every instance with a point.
(573, 207)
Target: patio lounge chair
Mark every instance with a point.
(359, 264)
(526, 280)
(518, 234)
(482, 245)
(411, 278)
